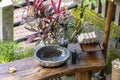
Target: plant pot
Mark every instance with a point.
(51, 56)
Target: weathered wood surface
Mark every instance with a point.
(27, 69)
(107, 27)
(83, 75)
(108, 77)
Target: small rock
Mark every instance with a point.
(11, 70)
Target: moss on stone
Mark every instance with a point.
(97, 20)
(76, 12)
(93, 18)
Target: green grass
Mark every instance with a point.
(10, 51)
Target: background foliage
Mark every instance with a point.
(10, 51)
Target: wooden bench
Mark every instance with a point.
(27, 69)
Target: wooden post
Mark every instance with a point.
(82, 75)
(107, 27)
(106, 36)
(6, 20)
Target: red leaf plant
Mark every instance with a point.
(50, 16)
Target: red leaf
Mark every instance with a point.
(37, 4)
(62, 11)
(30, 38)
(40, 3)
(58, 8)
(46, 20)
(54, 6)
(27, 2)
(34, 2)
(51, 17)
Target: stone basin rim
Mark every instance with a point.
(61, 60)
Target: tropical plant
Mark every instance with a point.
(52, 19)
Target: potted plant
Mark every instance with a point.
(53, 25)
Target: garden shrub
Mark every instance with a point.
(10, 51)
(7, 51)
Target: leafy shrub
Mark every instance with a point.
(7, 51)
(24, 52)
(10, 51)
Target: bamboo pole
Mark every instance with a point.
(107, 27)
(106, 35)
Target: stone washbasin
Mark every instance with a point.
(51, 56)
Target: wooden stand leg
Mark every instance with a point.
(82, 76)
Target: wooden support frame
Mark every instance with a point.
(107, 32)
(107, 27)
(83, 75)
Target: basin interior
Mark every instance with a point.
(51, 53)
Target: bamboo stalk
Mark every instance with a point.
(107, 27)
(106, 35)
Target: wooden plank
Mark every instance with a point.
(82, 76)
(28, 69)
(91, 47)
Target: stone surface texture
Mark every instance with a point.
(51, 56)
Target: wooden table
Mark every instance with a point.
(27, 69)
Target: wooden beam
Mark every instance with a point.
(107, 27)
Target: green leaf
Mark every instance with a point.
(86, 2)
(102, 1)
